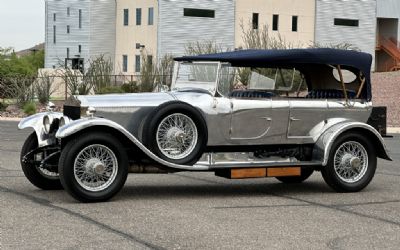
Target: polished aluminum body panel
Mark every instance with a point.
(36, 122)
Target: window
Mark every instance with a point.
(67, 52)
(294, 23)
(275, 22)
(54, 34)
(80, 19)
(149, 60)
(199, 13)
(124, 63)
(138, 16)
(79, 48)
(68, 29)
(255, 21)
(137, 63)
(151, 16)
(68, 11)
(126, 17)
(54, 17)
(346, 22)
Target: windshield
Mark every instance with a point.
(197, 75)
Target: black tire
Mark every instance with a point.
(154, 119)
(332, 178)
(305, 174)
(32, 173)
(66, 166)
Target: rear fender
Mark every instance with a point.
(324, 144)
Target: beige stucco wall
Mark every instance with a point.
(304, 9)
(128, 36)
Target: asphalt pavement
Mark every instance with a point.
(199, 211)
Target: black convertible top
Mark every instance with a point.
(294, 58)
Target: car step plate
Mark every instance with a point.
(244, 173)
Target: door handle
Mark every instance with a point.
(294, 119)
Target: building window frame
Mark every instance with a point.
(68, 11)
(54, 34)
(80, 18)
(195, 12)
(254, 20)
(138, 16)
(137, 63)
(347, 22)
(80, 48)
(150, 18)
(295, 23)
(68, 29)
(54, 17)
(126, 17)
(124, 63)
(275, 22)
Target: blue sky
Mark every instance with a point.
(21, 23)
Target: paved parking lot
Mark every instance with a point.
(199, 211)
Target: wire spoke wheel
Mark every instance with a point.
(95, 167)
(350, 161)
(176, 136)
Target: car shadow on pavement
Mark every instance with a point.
(207, 191)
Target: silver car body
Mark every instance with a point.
(230, 121)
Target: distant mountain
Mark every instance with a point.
(30, 50)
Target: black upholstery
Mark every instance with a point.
(251, 94)
(329, 94)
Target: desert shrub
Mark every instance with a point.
(3, 106)
(20, 89)
(110, 90)
(29, 108)
(44, 88)
(130, 87)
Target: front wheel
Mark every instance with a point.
(352, 163)
(93, 167)
(37, 175)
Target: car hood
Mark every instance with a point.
(124, 100)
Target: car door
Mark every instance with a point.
(306, 118)
(250, 120)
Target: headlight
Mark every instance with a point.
(46, 123)
(64, 120)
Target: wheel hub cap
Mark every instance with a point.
(351, 161)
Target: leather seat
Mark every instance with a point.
(329, 94)
(257, 94)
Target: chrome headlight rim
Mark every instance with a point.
(64, 120)
(47, 120)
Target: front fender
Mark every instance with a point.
(81, 124)
(36, 122)
(324, 144)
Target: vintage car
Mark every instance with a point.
(303, 110)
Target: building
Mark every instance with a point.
(293, 19)
(166, 27)
(370, 25)
(78, 30)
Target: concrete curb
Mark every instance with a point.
(393, 130)
(11, 119)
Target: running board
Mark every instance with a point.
(214, 161)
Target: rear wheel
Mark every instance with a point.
(352, 163)
(93, 167)
(38, 176)
(305, 174)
